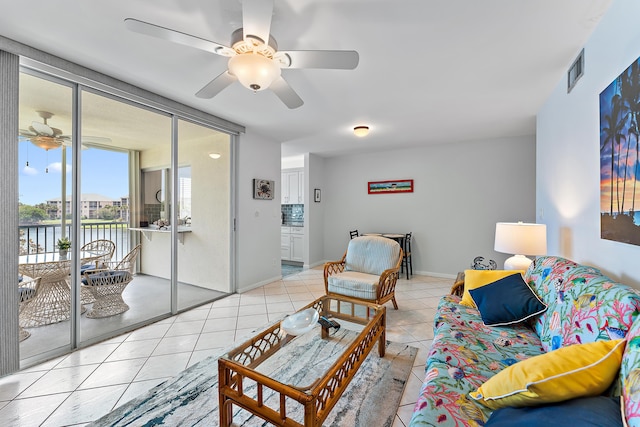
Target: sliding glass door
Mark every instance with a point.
(45, 194)
(141, 196)
(124, 282)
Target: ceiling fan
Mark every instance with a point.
(49, 138)
(254, 58)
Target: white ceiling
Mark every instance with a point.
(431, 71)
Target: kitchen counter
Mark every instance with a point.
(293, 224)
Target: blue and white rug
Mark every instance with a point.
(191, 398)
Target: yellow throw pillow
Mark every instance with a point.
(474, 279)
(578, 370)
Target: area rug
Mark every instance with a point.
(191, 398)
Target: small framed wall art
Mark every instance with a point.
(316, 195)
(396, 186)
(263, 189)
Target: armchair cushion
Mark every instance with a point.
(371, 254)
(354, 284)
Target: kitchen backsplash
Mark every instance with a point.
(292, 214)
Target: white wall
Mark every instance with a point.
(460, 191)
(568, 151)
(314, 212)
(258, 221)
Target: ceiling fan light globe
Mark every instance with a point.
(45, 142)
(254, 71)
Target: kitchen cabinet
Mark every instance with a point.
(292, 244)
(292, 187)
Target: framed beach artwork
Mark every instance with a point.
(620, 157)
(395, 186)
(263, 189)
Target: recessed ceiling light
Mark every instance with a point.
(361, 131)
(214, 155)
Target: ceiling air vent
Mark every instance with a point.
(575, 71)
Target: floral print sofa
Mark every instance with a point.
(583, 306)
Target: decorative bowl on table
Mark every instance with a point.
(300, 322)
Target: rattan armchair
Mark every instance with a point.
(368, 270)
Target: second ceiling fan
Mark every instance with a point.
(254, 58)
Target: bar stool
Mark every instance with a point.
(406, 260)
(353, 233)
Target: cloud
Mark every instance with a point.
(28, 170)
(57, 167)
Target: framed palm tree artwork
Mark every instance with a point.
(620, 157)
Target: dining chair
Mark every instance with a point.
(353, 233)
(407, 265)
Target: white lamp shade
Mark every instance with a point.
(254, 71)
(521, 238)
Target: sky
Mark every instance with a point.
(103, 172)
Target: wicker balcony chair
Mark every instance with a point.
(27, 290)
(106, 287)
(367, 271)
(102, 246)
(107, 284)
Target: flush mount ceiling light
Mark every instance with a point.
(361, 131)
(214, 156)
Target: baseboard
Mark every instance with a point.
(258, 284)
(315, 264)
(432, 274)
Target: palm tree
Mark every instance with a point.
(630, 91)
(613, 130)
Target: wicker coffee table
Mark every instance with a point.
(240, 382)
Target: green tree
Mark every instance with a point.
(107, 213)
(30, 214)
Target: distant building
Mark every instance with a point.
(90, 205)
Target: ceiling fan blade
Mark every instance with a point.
(216, 85)
(42, 129)
(27, 133)
(327, 59)
(256, 18)
(286, 93)
(173, 36)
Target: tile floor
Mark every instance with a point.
(80, 387)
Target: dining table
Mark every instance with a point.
(52, 301)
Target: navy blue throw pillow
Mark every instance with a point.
(597, 411)
(506, 301)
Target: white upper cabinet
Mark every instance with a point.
(292, 187)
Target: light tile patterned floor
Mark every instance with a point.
(80, 387)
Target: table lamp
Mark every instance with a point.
(520, 239)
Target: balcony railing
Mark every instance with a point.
(43, 238)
